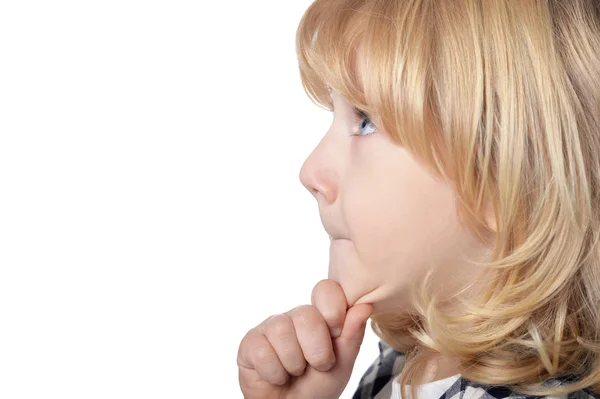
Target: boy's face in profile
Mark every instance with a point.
(394, 219)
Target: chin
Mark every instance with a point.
(357, 295)
(382, 302)
(365, 298)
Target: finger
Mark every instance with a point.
(347, 346)
(356, 322)
(280, 332)
(261, 356)
(313, 336)
(329, 298)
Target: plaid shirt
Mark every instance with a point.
(389, 363)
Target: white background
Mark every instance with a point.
(151, 211)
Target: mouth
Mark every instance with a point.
(336, 238)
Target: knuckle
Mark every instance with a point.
(297, 369)
(280, 378)
(279, 326)
(306, 314)
(325, 286)
(262, 354)
(322, 360)
(320, 285)
(334, 316)
(245, 346)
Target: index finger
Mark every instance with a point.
(329, 298)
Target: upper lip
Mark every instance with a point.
(335, 236)
(331, 230)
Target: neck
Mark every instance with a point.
(437, 368)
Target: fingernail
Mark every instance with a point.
(335, 332)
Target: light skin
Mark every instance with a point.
(299, 354)
(392, 222)
(396, 219)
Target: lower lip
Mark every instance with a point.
(339, 239)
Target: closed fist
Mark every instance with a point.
(305, 353)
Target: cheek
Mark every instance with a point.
(397, 221)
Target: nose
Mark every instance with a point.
(318, 177)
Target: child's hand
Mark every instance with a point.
(296, 354)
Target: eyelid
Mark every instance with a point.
(357, 111)
(361, 114)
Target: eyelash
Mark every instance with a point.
(362, 115)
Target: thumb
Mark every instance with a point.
(347, 345)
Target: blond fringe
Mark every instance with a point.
(500, 98)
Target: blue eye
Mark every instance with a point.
(365, 122)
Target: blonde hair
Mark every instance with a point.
(502, 99)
